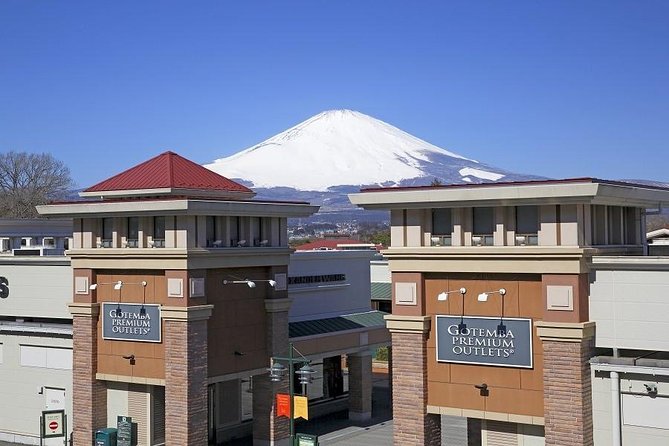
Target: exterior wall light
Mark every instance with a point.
(483, 297)
(443, 296)
(118, 285)
(250, 283)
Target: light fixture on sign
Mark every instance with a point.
(118, 285)
(251, 283)
(483, 297)
(443, 296)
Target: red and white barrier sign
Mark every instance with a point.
(53, 423)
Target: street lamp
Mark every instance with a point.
(278, 371)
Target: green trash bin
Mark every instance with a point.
(307, 440)
(105, 437)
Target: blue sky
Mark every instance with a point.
(554, 88)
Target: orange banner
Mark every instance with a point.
(282, 405)
(301, 407)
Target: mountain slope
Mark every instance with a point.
(337, 152)
(344, 147)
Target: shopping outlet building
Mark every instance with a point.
(180, 298)
(529, 309)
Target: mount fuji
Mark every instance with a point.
(337, 152)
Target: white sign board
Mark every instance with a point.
(53, 423)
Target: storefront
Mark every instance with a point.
(180, 300)
(492, 292)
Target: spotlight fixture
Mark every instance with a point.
(250, 283)
(443, 296)
(483, 297)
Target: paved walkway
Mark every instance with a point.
(336, 429)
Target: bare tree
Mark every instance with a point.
(30, 179)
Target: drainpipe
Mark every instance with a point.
(616, 434)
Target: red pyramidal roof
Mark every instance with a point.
(168, 174)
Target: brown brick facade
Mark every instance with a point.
(89, 396)
(268, 429)
(412, 425)
(185, 382)
(360, 386)
(568, 392)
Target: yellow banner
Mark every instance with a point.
(301, 409)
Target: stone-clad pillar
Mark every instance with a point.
(412, 424)
(268, 429)
(186, 368)
(567, 349)
(360, 386)
(89, 396)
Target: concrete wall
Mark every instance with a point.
(330, 299)
(38, 287)
(20, 385)
(644, 419)
(628, 301)
(379, 271)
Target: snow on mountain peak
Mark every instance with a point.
(334, 147)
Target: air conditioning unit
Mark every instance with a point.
(476, 240)
(521, 240)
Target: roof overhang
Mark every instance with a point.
(177, 207)
(509, 194)
(171, 191)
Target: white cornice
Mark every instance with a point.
(513, 195)
(178, 207)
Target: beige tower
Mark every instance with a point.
(511, 351)
(162, 310)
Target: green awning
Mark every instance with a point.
(368, 319)
(381, 291)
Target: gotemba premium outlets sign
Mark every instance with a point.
(131, 322)
(479, 340)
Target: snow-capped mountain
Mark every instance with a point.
(337, 152)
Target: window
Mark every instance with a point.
(484, 226)
(442, 227)
(107, 232)
(615, 225)
(598, 224)
(210, 224)
(234, 231)
(255, 230)
(631, 226)
(527, 225)
(158, 232)
(133, 232)
(46, 357)
(49, 242)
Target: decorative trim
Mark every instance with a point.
(130, 379)
(81, 285)
(175, 287)
(407, 324)
(277, 305)
(486, 415)
(84, 309)
(195, 313)
(565, 331)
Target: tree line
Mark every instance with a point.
(31, 179)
